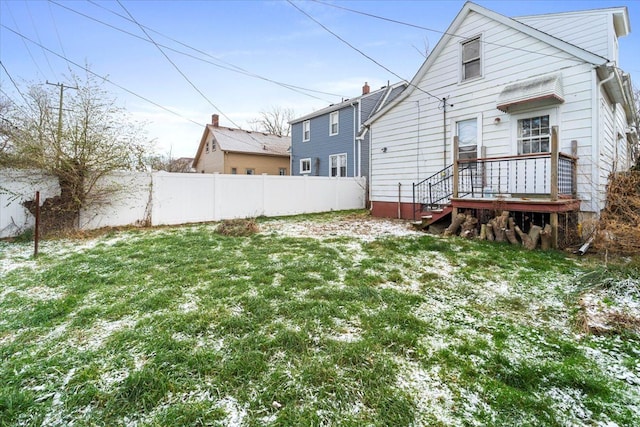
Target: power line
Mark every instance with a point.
(228, 66)
(25, 44)
(55, 27)
(183, 74)
(13, 81)
(360, 51)
(35, 28)
(99, 76)
(394, 21)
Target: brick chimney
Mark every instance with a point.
(365, 88)
(215, 120)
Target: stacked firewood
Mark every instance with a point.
(502, 228)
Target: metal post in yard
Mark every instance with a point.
(36, 233)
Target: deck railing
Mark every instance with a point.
(527, 175)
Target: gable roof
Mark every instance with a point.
(383, 92)
(450, 33)
(245, 141)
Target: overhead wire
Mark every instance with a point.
(12, 81)
(25, 44)
(394, 21)
(55, 27)
(363, 53)
(35, 29)
(186, 77)
(84, 68)
(227, 65)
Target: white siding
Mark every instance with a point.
(589, 31)
(508, 56)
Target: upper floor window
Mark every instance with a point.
(471, 59)
(282, 171)
(334, 119)
(306, 130)
(251, 171)
(534, 135)
(305, 165)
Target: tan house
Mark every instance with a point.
(238, 151)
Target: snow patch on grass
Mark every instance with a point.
(433, 398)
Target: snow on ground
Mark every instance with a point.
(362, 228)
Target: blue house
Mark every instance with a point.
(332, 141)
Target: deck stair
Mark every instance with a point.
(432, 215)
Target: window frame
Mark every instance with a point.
(306, 130)
(282, 171)
(515, 119)
(304, 161)
(339, 166)
(334, 120)
(532, 138)
(464, 62)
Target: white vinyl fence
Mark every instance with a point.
(162, 198)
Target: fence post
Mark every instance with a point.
(36, 232)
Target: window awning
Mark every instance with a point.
(539, 91)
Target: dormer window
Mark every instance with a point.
(334, 119)
(471, 59)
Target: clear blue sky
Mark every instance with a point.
(236, 51)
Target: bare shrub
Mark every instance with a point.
(238, 227)
(619, 226)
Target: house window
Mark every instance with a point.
(213, 146)
(338, 165)
(467, 132)
(305, 165)
(306, 130)
(207, 147)
(471, 59)
(250, 171)
(234, 171)
(534, 135)
(282, 171)
(334, 119)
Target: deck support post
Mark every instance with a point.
(454, 192)
(553, 217)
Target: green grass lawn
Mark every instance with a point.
(185, 327)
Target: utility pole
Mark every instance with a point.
(62, 88)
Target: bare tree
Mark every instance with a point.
(168, 163)
(275, 121)
(90, 138)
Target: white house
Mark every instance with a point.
(477, 126)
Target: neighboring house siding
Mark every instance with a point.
(260, 164)
(322, 145)
(586, 30)
(415, 148)
(212, 161)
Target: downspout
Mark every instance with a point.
(353, 104)
(595, 152)
(370, 177)
(359, 141)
